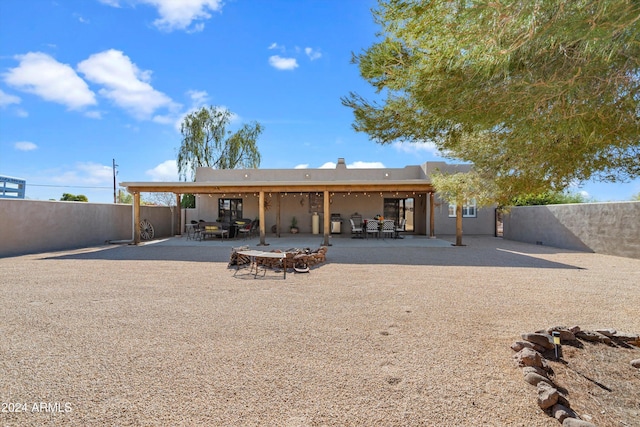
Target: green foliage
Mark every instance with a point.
(294, 222)
(67, 197)
(207, 142)
(536, 94)
(548, 198)
(188, 201)
(124, 197)
(636, 197)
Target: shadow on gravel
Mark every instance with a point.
(461, 257)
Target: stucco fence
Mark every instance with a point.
(31, 226)
(607, 228)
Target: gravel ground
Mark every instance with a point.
(404, 336)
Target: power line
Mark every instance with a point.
(63, 186)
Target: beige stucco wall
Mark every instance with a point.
(32, 226)
(606, 228)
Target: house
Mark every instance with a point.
(318, 196)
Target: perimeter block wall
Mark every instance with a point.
(32, 226)
(606, 228)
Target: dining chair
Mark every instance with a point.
(388, 227)
(372, 227)
(355, 230)
(400, 229)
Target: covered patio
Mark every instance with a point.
(318, 191)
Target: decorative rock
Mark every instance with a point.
(528, 357)
(560, 412)
(636, 363)
(575, 329)
(593, 337)
(565, 333)
(547, 395)
(534, 369)
(541, 339)
(533, 379)
(519, 345)
(607, 332)
(630, 338)
(574, 422)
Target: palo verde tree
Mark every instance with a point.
(206, 141)
(537, 94)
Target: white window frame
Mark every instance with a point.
(469, 209)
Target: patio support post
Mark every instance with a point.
(261, 218)
(136, 217)
(278, 212)
(178, 216)
(432, 216)
(327, 218)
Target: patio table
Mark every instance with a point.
(254, 255)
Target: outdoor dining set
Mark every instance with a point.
(201, 230)
(378, 227)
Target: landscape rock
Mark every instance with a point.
(528, 357)
(519, 345)
(575, 329)
(565, 333)
(547, 395)
(607, 332)
(593, 336)
(574, 422)
(543, 339)
(560, 412)
(630, 338)
(535, 369)
(635, 363)
(533, 378)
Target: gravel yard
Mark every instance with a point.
(406, 336)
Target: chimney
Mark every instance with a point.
(341, 164)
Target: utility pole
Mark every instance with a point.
(114, 181)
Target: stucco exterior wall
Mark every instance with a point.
(606, 228)
(32, 226)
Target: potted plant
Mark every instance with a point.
(294, 225)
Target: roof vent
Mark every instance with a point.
(341, 164)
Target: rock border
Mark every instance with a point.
(531, 355)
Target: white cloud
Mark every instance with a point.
(302, 166)
(165, 171)
(283, 63)
(418, 147)
(25, 146)
(93, 114)
(355, 165)
(312, 54)
(365, 165)
(124, 83)
(85, 173)
(41, 75)
(6, 99)
(177, 14)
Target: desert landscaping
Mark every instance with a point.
(405, 336)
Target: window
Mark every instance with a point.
(469, 209)
(229, 210)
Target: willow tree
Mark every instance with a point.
(538, 94)
(207, 142)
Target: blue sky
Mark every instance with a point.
(83, 82)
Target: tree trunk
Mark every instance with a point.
(459, 224)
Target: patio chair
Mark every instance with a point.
(373, 227)
(400, 229)
(355, 230)
(245, 229)
(255, 228)
(388, 228)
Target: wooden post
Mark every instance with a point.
(278, 212)
(261, 218)
(432, 216)
(327, 218)
(136, 217)
(179, 215)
